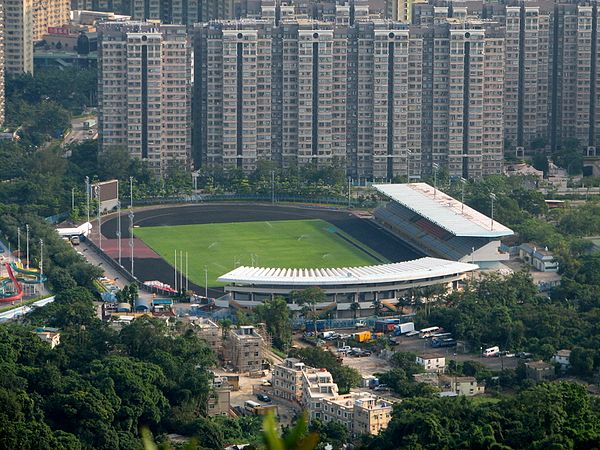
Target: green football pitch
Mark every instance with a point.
(289, 244)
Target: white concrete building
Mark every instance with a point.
(315, 390)
(432, 363)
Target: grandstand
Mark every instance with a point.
(440, 225)
(247, 287)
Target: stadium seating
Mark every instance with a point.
(420, 232)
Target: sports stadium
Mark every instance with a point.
(246, 253)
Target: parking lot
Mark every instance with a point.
(373, 364)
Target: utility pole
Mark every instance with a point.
(187, 283)
(462, 196)
(87, 196)
(408, 153)
(19, 243)
(27, 230)
(72, 199)
(131, 239)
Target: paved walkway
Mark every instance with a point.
(109, 272)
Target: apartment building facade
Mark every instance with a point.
(551, 88)
(49, 13)
(2, 94)
(315, 390)
(379, 98)
(144, 92)
(18, 36)
(188, 12)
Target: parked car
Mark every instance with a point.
(365, 353)
(523, 355)
(360, 324)
(263, 398)
(345, 348)
(382, 387)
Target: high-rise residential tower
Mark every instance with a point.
(187, 12)
(381, 98)
(49, 13)
(18, 36)
(1, 65)
(144, 103)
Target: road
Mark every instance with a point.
(109, 272)
(78, 133)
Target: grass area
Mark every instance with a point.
(289, 244)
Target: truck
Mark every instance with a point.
(326, 334)
(404, 328)
(386, 325)
(363, 336)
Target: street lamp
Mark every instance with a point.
(349, 190)
(130, 192)
(492, 198)
(119, 228)
(27, 231)
(131, 239)
(87, 195)
(206, 281)
(435, 169)
(99, 219)
(41, 257)
(272, 187)
(462, 197)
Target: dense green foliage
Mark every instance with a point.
(558, 416)
(306, 181)
(345, 377)
(507, 311)
(99, 386)
(277, 317)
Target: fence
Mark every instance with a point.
(207, 198)
(369, 322)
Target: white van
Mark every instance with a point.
(251, 406)
(492, 351)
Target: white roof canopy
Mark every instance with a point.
(443, 210)
(385, 273)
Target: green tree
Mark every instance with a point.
(308, 299)
(354, 307)
(276, 315)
